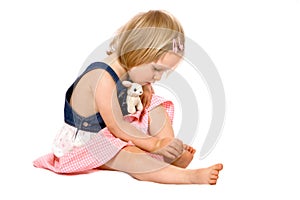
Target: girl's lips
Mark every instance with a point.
(146, 83)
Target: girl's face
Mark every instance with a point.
(149, 73)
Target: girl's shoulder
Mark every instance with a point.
(99, 70)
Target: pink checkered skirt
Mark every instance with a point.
(88, 150)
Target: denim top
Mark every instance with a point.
(93, 123)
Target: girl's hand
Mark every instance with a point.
(170, 148)
(147, 95)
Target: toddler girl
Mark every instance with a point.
(98, 133)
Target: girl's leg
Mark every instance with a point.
(141, 166)
(160, 126)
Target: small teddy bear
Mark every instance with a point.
(134, 90)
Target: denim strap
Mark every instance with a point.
(95, 122)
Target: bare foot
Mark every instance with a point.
(208, 175)
(186, 158)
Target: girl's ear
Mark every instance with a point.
(126, 83)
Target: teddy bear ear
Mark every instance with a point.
(126, 83)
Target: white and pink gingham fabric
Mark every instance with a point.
(92, 150)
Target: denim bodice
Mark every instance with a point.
(93, 123)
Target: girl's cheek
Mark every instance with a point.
(145, 78)
(142, 75)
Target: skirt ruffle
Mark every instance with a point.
(92, 150)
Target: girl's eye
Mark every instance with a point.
(156, 69)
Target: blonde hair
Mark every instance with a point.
(146, 37)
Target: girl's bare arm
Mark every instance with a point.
(108, 106)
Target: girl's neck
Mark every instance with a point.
(113, 62)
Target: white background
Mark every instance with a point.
(254, 44)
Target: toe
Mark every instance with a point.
(214, 177)
(214, 172)
(212, 182)
(193, 151)
(218, 167)
(190, 149)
